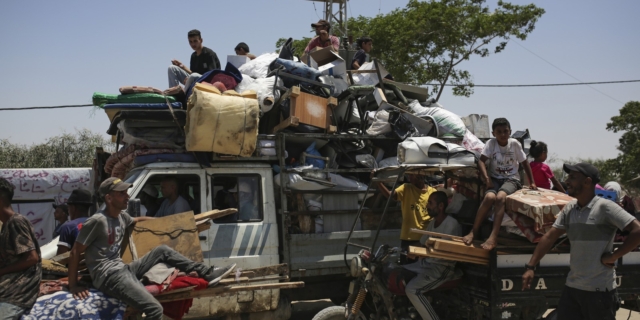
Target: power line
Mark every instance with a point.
(428, 84)
(533, 85)
(567, 73)
(48, 107)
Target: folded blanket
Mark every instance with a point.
(100, 99)
(62, 305)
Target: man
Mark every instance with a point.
(432, 272)
(242, 49)
(203, 59)
(20, 259)
(323, 39)
(414, 197)
(149, 201)
(79, 203)
(244, 195)
(359, 58)
(101, 238)
(590, 223)
(61, 216)
(173, 202)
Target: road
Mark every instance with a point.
(305, 310)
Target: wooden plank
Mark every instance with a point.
(229, 289)
(270, 270)
(289, 122)
(215, 214)
(429, 252)
(436, 234)
(203, 225)
(177, 231)
(474, 250)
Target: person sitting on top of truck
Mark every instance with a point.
(20, 259)
(79, 203)
(432, 272)
(242, 49)
(591, 223)
(173, 202)
(505, 154)
(322, 39)
(365, 44)
(101, 238)
(414, 197)
(203, 59)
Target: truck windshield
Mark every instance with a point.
(132, 176)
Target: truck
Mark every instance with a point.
(272, 236)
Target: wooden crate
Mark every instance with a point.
(308, 109)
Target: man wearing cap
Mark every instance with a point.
(590, 223)
(323, 39)
(61, 215)
(100, 239)
(242, 49)
(149, 201)
(79, 203)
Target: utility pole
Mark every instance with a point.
(337, 18)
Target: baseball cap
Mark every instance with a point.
(80, 196)
(320, 22)
(150, 190)
(585, 168)
(113, 184)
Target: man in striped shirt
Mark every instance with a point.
(590, 223)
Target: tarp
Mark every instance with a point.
(37, 189)
(222, 124)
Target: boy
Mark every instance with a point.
(414, 197)
(504, 155)
(432, 272)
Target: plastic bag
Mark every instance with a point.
(381, 124)
(263, 88)
(472, 143)
(258, 67)
(447, 121)
(317, 163)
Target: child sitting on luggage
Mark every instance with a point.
(505, 155)
(542, 174)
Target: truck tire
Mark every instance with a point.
(335, 313)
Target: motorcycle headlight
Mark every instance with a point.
(356, 267)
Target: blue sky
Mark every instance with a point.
(60, 52)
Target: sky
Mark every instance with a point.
(60, 52)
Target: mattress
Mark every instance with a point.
(100, 99)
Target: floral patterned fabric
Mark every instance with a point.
(62, 305)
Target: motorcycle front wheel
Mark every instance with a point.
(336, 313)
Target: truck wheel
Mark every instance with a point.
(335, 313)
(552, 316)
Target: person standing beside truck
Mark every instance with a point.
(203, 60)
(61, 216)
(79, 203)
(590, 223)
(101, 239)
(414, 197)
(20, 259)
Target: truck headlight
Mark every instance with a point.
(356, 267)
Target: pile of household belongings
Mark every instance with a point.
(175, 290)
(533, 212)
(448, 247)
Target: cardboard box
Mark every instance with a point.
(328, 62)
(237, 61)
(379, 95)
(369, 79)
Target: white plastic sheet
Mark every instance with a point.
(258, 67)
(263, 88)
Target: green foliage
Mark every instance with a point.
(626, 166)
(64, 151)
(426, 41)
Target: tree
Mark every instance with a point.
(626, 166)
(426, 42)
(64, 151)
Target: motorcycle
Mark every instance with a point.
(378, 291)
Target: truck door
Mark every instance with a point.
(250, 237)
